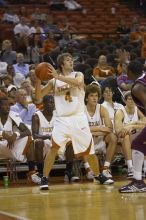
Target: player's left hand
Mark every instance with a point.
(52, 71)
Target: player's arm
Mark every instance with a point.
(11, 138)
(35, 128)
(24, 130)
(100, 130)
(105, 117)
(78, 81)
(122, 129)
(139, 91)
(118, 121)
(41, 92)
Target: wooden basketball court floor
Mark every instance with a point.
(77, 201)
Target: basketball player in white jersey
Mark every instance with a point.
(127, 118)
(101, 126)
(71, 121)
(42, 125)
(15, 137)
(108, 103)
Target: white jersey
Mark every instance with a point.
(96, 120)
(45, 125)
(18, 149)
(69, 100)
(8, 126)
(112, 108)
(130, 118)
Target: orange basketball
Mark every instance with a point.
(42, 71)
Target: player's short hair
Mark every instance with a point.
(126, 95)
(60, 59)
(92, 88)
(46, 98)
(107, 86)
(135, 67)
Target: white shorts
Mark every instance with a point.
(99, 144)
(74, 129)
(16, 152)
(47, 146)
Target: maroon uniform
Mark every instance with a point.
(141, 80)
(139, 143)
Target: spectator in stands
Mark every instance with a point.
(127, 118)
(39, 16)
(72, 5)
(29, 90)
(123, 82)
(135, 23)
(22, 33)
(122, 29)
(32, 78)
(50, 26)
(6, 81)
(16, 77)
(23, 12)
(3, 68)
(11, 90)
(10, 17)
(24, 109)
(65, 25)
(136, 36)
(102, 70)
(20, 66)
(66, 41)
(7, 54)
(49, 44)
(36, 28)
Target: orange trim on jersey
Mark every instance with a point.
(29, 141)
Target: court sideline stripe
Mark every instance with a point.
(14, 216)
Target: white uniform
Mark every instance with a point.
(95, 120)
(71, 121)
(19, 146)
(130, 118)
(45, 129)
(112, 108)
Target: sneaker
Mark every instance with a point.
(106, 172)
(90, 175)
(134, 186)
(130, 173)
(36, 178)
(70, 178)
(44, 183)
(29, 175)
(103, 179)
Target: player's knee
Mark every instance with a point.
(112, 138)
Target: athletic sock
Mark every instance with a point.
(138, 158)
